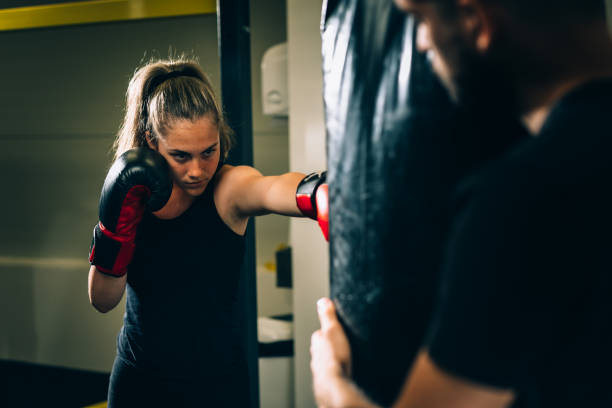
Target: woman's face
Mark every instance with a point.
(192, 150)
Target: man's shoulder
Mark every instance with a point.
(584, 109)
(532, 179)
(508, 178)
(572, 151)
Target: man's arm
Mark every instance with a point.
(331, 363)
(427, 386)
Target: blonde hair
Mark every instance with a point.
(162, 92)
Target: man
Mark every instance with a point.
(389, 219)
(524, 314)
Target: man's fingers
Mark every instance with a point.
(314, 341)
(327, 313)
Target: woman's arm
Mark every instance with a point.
(105, 291)
(140, 178)
(250, 193)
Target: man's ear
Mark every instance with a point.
(476, 19)
(152, 143)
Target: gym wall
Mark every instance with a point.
(61, 105)
(62, 100)
(307, 152)
(270, 155)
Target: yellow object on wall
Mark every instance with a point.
(99, 11)
(99, 405)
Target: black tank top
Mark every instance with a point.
(180, 320)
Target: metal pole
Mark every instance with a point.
(233, 28)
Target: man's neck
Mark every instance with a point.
(579, 64)
(543, 99)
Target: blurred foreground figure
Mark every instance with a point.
(397, 149)
(498, 287)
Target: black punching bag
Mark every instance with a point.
(397, 150)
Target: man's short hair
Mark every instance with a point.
(551, 10)
(545, 10)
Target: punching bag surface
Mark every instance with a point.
(396, 154)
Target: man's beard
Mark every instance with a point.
(483, 85)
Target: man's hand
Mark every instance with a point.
(427, 387)
(331, 362)
(330, 349)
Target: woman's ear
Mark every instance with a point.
(478, 23)
(152, 143)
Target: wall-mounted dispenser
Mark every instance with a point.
(274, 83)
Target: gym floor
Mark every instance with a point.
(31, 385)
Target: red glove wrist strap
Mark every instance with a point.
(109, 253)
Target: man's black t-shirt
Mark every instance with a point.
(526, 296)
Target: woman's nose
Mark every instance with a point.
(196, 169)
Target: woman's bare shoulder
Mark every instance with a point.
(230, 182)
(230, 178)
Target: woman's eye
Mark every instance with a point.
(209, 152)
(179, 157)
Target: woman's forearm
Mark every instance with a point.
(105, 291)
(281, 196)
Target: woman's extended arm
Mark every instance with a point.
(251, 193)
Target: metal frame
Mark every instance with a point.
(233, 27)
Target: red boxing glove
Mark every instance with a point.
(312, 200)
(138, 180)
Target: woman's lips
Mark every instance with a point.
(195, 185)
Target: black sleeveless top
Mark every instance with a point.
(180, 320)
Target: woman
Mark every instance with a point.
(171, 235)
